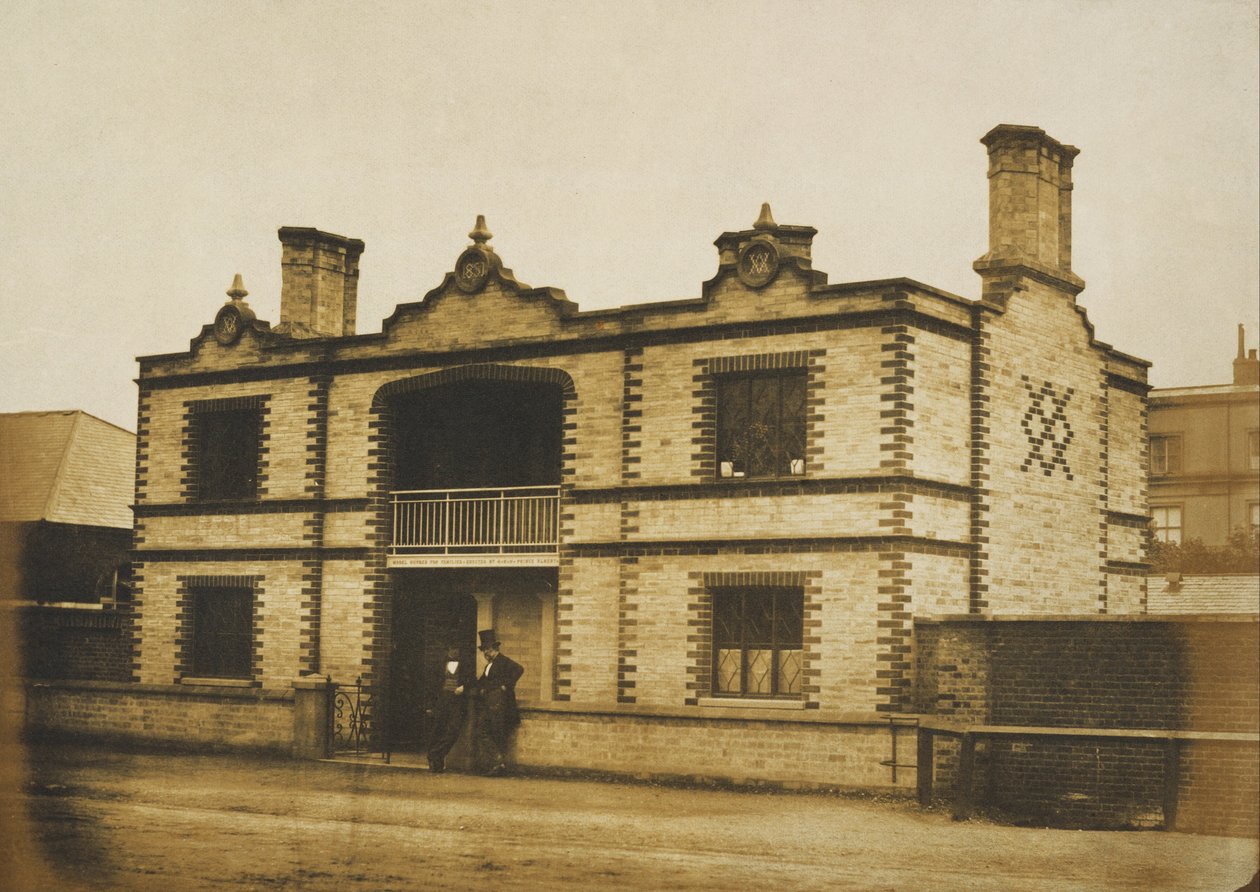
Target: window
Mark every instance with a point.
(1253, 518)
(226, 453)
(757, 634)
(223, 632)
(761, 425)
(1166, 454)
(1253, 450)
(1167, 523)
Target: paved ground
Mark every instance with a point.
(174, 822)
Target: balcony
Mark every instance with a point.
(509, 527)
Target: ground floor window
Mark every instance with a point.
(223, 632)
(757, 634)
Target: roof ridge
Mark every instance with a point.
(54, 491)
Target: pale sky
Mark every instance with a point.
(151, 150)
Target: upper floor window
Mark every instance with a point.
(761, 424)
(225, 454)
(222, 632)
(1253, 450)
(1166, 454)
(757, 641)
(1166, 523)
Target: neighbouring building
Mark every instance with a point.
(705, 527)
(1205, 493)
(1205, 456)
(66, 489)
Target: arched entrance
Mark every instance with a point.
(474, 462)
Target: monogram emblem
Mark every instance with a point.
(758, 263)
(1046, 425)
(227, 326)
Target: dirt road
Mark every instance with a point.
(175, 822)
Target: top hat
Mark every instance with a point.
(488, 639)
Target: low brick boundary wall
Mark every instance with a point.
(175, 715)
(785, 753)
(1196, 678)
(74, 643)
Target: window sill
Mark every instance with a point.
(750, 703)
(221, 682)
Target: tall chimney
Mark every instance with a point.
(1246, 363)
(1030, 204)
(319, 284)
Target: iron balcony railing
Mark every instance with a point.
(512, 520)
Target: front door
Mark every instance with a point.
(428, 618)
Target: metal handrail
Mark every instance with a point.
(512, 519)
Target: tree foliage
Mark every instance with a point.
(1240, 555)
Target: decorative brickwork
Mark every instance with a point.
(1047, 427)
(981, 428)
(894, 669)
(897, 415)
(631, 412)
(627, 630)
(1104, 463)
(309, 618)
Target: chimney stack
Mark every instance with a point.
(319, 284)
(1246, 364)
(1030, 205)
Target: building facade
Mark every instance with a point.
(1205, 456)
(704, 527)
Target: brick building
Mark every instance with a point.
(1205, 456)
(704, 526)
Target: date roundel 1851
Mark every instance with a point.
(472, 270)
(758, 263)
(227, 325)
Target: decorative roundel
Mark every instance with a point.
(228, 324)
(758, 263)
(472, 269)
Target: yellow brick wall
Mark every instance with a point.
(942, 399)
(1044, 529)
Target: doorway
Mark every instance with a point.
(430, 614)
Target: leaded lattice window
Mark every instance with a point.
(761, 425)
(757, 635)
(223, 632)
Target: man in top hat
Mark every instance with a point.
(497, 713)
(451, 707)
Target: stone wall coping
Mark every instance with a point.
(312, 683)
(947, 727)
(173, 691)
(708, 715)
(1093, 618)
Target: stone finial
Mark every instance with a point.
(765, 221)
(237, 291)
(480, 234)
